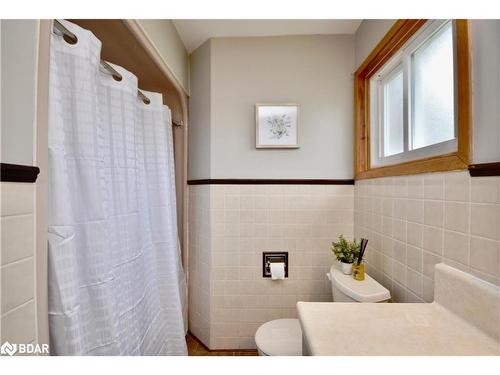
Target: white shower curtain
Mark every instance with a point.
(116, 284)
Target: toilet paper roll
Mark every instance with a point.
(277, 271)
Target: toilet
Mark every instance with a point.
(283, 337)
(279, 337)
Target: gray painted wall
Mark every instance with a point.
(369, 33)
(199, 114)
(312, 71)
(165, 37)
(19, 84)
(486, 90)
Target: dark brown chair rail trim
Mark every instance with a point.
(18, 173)
(485, 169)
(237, 181)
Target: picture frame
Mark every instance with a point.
(277, 125)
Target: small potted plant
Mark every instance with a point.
(346, 253)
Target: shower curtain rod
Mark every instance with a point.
(116, 75)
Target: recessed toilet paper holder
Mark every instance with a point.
(269, 257)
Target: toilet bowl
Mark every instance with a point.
(283, 337)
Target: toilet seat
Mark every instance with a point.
(280, 337)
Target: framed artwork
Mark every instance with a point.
(276, 126)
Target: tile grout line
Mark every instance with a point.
(14, 309)
(18, 261)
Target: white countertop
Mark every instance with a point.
(463, 320)
(389, 329)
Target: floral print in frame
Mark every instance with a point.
(276, 125)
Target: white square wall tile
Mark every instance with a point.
(387, 206)
(399, 210)
(495, 280)
(247, 189)
(228, 189)
(17, 198)
(400, 187)
(456, 247)
(415, 210)
(399, 272)
(347, 190)
(434, 186)
(17, 284)
(428, 294)
(485, 220)
(485, 255)
(387, 226)
(414, 281)
(456, 216)
(415, 186)
(413, 298)
(414, 234)
(399, 251)
(18, 326)
(434, 213)
(433, 240)
(460, 227)
(218, 201)
(232, 202)
(485, 190)
(16, 238)
(457, 186)
(247, 202)
(218, 216)
(457, 265)
(300, 219)
(399, 229)
(387, 263)
(399, 293)
(224, 343)
(247, 343)
(262, 202)
(429, 261)
(414, 258)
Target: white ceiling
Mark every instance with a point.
(195, 32)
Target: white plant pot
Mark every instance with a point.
(346, 268)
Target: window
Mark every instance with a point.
(432, 107)
(413, 100)
(391, 95)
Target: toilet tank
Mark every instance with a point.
(346, 289)
(339, 296)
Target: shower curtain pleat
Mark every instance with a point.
(116, 283)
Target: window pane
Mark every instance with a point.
(433, 98)
(393, 114)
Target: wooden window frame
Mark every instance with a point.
(396, 37)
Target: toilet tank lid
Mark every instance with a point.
(367, 290)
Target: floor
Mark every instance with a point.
(195, 347)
